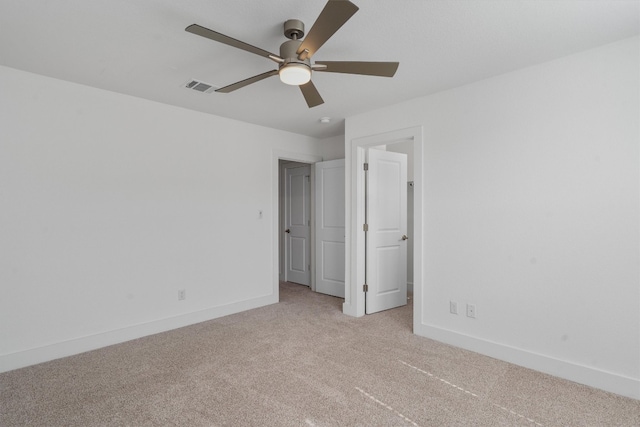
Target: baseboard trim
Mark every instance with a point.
(21, 359)
(614, 383)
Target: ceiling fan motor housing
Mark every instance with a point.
(288, 52)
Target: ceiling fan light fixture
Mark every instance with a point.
(294, 61)
(295, 74)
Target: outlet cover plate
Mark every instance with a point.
(471, 311)
(453, 307)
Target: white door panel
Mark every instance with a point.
(386, 247)
(298, 254)
(333, 262)
(330, 230)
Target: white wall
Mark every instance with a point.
(531, 212)
(111, 204)
(332, 148)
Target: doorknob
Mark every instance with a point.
(404, 237)
(287, 231)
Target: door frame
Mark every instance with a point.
(354, 304)
(276, 223)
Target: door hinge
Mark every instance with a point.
(365, 287)
(366, 166)
(365, 227)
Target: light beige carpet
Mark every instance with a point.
(298, 363)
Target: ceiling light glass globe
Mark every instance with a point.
(295, 74)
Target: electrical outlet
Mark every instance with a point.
(453, 307)
(471, 311)
(182, 294)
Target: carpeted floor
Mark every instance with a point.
(298, 363)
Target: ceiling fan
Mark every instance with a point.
(294, 61)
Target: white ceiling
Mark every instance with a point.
(140, 48)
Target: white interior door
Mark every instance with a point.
(298, 224)
(330, 231)
(386, 238)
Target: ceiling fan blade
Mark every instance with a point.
(311, 94)
(221, 38)
(382, 69)
(246, 82)
(332, 17)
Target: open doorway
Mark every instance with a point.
(278, 159)
(312, 225)
(408, 139)
(310, 196)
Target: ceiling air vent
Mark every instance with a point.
(200, 86)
